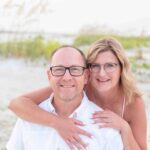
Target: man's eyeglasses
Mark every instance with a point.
(73, 70)
(108, 67)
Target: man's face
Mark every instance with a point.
(67, 87)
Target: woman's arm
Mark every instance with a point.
(25, 107)
(135, 135)
(133, 132)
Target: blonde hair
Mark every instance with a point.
(127, 82)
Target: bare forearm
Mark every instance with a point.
(39, 95)
(28, 110)
(129, 140)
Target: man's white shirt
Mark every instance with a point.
(30, 136)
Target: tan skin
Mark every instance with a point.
(105, 90)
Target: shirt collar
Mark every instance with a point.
(77, 111)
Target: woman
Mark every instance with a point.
(110, 86)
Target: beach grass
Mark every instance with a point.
(38, 47)
(29, 48)
(128, 42)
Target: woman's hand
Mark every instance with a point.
(109, 119)
(69, 131)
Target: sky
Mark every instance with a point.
(70, 16)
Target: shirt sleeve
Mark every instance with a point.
(16, 141)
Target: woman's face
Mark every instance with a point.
(105, 72)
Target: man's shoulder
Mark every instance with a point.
(91, 105)
(45, 104)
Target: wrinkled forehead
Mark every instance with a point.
(68, 57)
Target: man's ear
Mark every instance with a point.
(48, 74)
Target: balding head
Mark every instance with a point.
(72, 51)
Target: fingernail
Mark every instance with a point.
(92, 136)
(83, 124)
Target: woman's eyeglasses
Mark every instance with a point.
(108, 67)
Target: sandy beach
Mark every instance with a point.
(18, 76)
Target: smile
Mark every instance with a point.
(67, 86)
(103, 81)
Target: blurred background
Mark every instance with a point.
(31, 30)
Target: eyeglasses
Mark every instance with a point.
(108, 67)
(73, 70)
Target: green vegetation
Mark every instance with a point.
(127, 42)
(138, 64)
(31, 48)
(38, 47)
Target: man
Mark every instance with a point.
(67, 77)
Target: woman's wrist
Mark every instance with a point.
(54, 121)
(125, 129)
